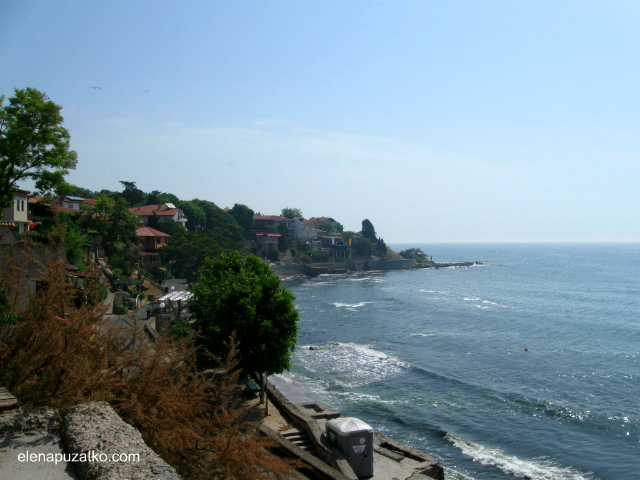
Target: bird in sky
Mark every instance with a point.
(95, 88)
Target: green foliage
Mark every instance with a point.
(284, 240)
(196, 216)
(243, 295)
(117, 226)
(186, 254)
(168, 226)
(64, 227)
(289, 212)
(381, 247)
(273, 254)
(81, 192)
(221, 226)
(363, 247)
(243, 215)
(417, 254)
(368, 231)
(132, 194)
(33, 145)
(157, 197)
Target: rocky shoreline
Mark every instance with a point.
(339, 268)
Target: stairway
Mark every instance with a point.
(299, 438)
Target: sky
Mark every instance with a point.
(439, 121)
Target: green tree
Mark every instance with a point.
(196, 216)
(368, 231)
(221, 226)
(186, 253)
(157, 197)
(244, 217)
(289, 212)
(117, 226)
(381, 247)
(81, 192)
(363, 247)
(33, 145)
(132, 194)
(243, 295)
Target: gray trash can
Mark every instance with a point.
(354, 438)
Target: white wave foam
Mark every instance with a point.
(471, 299)
(423, 334)
(350, 306)
(538, 469)
(351, 364)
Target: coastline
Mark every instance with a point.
(295, 270)
(299, 421)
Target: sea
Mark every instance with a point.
(525, 366)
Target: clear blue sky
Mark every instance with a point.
(438, 120)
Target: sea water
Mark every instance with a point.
(527, 366)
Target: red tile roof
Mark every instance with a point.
(150, 232)
(149, 210)
(273, 218)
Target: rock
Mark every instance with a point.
(96, 427)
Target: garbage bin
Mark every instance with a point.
(354, 438)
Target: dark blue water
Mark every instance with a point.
(527, 367)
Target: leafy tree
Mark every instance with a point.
(289, 212)
(186, 253)
(196, 216)
(244, 216)
(81, 192)
(363, 247)
(381, 247)
(243, 295)
(33, 145)
(368, 231)
(221, 226)
(132, 194)
(117, 226)
(157, 197)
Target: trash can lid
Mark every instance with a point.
(348, 424)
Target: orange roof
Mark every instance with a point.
(320, 220)
(150, 232)
(273, 218)
(149, 210)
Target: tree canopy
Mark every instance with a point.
(290, 212)
(243, 295)
(221, 226)
(33, 145)
(243, 215)
(368, 231)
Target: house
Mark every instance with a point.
(74, 203)
(151, 241)
(329, 224)
(267, 241)
(164, 212)
(304, 232)
(260, 222)
(335, 247)
(15, 218)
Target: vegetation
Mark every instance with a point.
(243, 295)
(33, 145)
(368, 231)
(60, 354)
(289, 212)
(363, 247)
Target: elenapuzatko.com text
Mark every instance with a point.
(90, 456)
